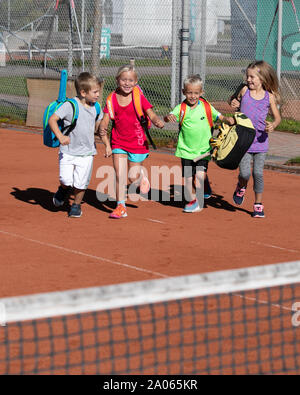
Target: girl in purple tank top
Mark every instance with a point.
(256, 99)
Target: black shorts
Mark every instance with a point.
(189, 166)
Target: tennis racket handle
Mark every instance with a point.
(63, 85)
(201, 156)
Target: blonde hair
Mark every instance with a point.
(126, 68)
(85, 81)
(268, 77)
(193, 79)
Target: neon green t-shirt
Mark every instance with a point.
(193, 139)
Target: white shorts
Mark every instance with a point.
(75, 171)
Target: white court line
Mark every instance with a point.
(118, 263)
(272, 246)
(278, 306)
(83, 254)
(155, 220)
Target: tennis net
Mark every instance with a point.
(241, 321)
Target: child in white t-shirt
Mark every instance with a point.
(77, 150)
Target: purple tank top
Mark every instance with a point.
(257, 111)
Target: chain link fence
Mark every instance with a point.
(166, 40)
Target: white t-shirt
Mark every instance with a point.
(82, 138)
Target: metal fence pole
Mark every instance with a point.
(279, 45)
(185, 38)
(175, 62)
(82, 21)
(70, 41)
(203, 41)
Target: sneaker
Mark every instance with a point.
(75, 211)
(144, 185)
(119, 212)
(238, 196)
(60, 196)
(192, 207)
(258, 211)
(207, 189)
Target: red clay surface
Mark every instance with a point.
(42, 250)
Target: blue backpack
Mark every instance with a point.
(50, 140)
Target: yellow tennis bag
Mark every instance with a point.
(232, 142)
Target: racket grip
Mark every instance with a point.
(63, 85)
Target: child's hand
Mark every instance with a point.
(64, 140)
(170, 118)
(269, 127)
(230, 121)
(159, 123)
(108, 152)
(235, 104)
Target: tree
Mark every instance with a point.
(95, 61)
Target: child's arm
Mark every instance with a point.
(101, 130)
(155, 119)
(103, 126)
(235, 99)
(270, 126)
(108, 150)
(64, 140)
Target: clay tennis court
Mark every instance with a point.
(43, 250)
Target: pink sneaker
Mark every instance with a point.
(258, 211)
(119, 212)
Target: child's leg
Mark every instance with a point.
(188, 173)
(201, 183)
(258, 168)
(244, 175)
(120, 166)
(65, 179)
(136, 172)
(258, 186)
(66, 167)
(200, 180)
(82, 173)
(188, 189)
(190, 181)
(78, 195)
(192, 199)
(203, 190)
(245, 170)
(207, 188)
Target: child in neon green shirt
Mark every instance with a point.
(193, 142)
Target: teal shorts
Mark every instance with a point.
(131, 157)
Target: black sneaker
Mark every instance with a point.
(258, 211)
(75, 211)
(239, 195)
(60, 196)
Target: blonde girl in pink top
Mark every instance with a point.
(128, 141)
